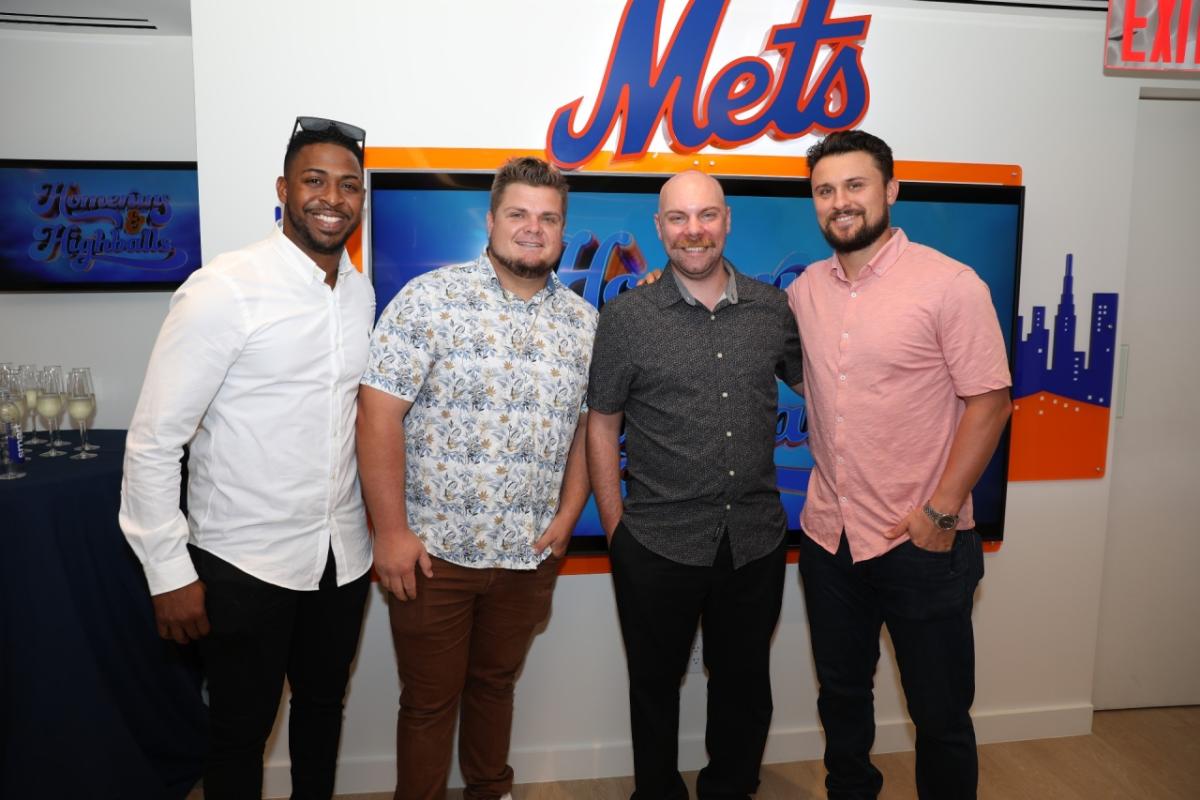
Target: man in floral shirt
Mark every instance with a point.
(471, 449)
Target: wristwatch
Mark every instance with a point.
(945, 522)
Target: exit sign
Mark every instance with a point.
(1161, 35)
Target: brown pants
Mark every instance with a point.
(464, 636)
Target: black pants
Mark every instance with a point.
(659, 603)
(925, 600)
(260, 633)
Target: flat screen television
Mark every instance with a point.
(97, 225)
(420, 220)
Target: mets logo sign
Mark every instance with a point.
(818, 85)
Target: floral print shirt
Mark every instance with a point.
(497, 385)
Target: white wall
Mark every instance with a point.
(1156, 443)
(947, 84)
(89, 96)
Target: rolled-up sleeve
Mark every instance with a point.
(972, 343)
(403, 345)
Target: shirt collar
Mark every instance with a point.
(730, 293)
(887, 256)
(484, 268)
(301, 263)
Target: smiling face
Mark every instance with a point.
(322, 197)
(852, 201)
(693, 221)
(525, 233)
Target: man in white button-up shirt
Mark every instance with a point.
(257, 368)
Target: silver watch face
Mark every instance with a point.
(947, 522)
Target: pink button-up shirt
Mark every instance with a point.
(887, 361)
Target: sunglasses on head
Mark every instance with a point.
(317, 124)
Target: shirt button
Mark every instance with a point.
(731, 473)
(840, 459)
(845, 335)
(854, 294)
(842, 377)
(844, 501)
(728, 507)
(728, 433)
(720, 355)
(839, 419)
(724, 394)
(712, 316)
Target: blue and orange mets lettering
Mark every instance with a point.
(745, 100)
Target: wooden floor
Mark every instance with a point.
(1142, 754)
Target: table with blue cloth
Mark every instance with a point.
(94, 704)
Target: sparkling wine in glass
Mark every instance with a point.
(87, 373)
(80, 405)
(31, 384)
(50, 405)
(10, 381)
(57, 440)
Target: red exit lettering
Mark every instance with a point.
(1174, 16)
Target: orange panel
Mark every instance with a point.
(1057, 438)
(488, 159)
(354, 248)
(586, 565)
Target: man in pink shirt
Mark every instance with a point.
(906, 379)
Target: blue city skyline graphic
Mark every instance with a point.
(1045, 365)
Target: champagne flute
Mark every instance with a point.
(50, 405)
(80, 404)
(87, 376)
(57, 439)
(9, 418)
(31, 378)
(10, 381)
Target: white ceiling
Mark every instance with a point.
(131, 17)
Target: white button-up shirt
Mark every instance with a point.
(257, 366)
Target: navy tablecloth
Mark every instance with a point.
(94, 704)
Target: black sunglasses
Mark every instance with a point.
(318, 124)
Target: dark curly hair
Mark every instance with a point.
(840, 142)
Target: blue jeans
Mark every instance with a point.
(925, 600)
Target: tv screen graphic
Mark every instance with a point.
(97, 225)
(422, 220)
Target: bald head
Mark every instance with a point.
(692, 221)
(690, 187)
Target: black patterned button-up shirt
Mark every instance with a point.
(700, 400)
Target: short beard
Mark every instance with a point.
(527, 271)
(300, 226)
(866, 236)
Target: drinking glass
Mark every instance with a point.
(80, 405)
(31, 384)
(11, 449)
(10, 381)
(57, 439)
(87, 373)
(50, 405)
